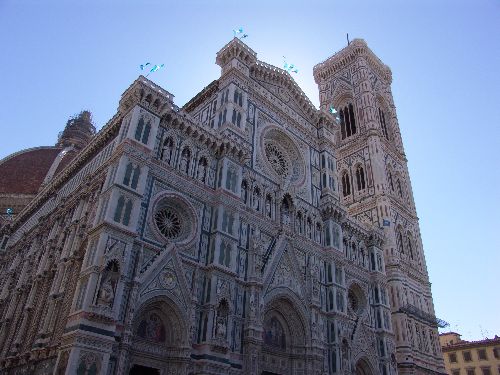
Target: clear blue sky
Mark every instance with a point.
(61, 57)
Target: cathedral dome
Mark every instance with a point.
(24, 171)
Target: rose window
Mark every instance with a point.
(173, 219)
(281, 157)
(168, 222)
(277, 159)
(356, 300)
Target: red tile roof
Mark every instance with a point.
(24, 171)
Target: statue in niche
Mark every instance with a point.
(256, 199)
(346, 351)
(166, 152)
(285, 213)
(202, 170)
(221, 328)
(221, 322)
(109, 281)
(268, 207)
(106, 294)
(318, 234)
(185, 160)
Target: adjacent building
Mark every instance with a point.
(245, 233)
(470, 357)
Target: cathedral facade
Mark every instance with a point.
(245, 233)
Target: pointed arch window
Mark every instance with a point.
(119, 209)
(346, 184)
(400, 243)
(135, 177)
(142, 131)
(123, 210)
(347, 121)
(383, 124)
(409, 246)
(391, 184)
(360, 178)
(131, 177)
(128, 174)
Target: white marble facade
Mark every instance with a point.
(221, 238)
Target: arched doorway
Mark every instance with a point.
(284, 338)
(363, 368)
(160, 338)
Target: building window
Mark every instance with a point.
(391, 184)
(123, 210)
(486, 370)
(409, 246)
(467, 357)
(131, 177)
(347, 121)
(471, 371)
(383, 125)
(360, 177)
(142, 131)
(453, 357)
(481, 353)
(402, 251)
(496, 353)
(346, 184)
(455, 372)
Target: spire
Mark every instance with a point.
(78, 131)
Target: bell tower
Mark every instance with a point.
(375, 187)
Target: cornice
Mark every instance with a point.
(340, 60)
(202, 96)
(272, 74)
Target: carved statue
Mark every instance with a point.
(220, 331)
(202, 171)
(185, 162)
(106, 293)
(268, 208)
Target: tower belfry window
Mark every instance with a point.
(383, 124)
(347, 121)
(360, 178)
(346, 184)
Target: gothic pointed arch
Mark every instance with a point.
(160, 328)
(284, 334)
(363, 367)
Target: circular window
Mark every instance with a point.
(282, 156)
(173, 219)
(277, 159)
(356, 299)
(168, 222)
